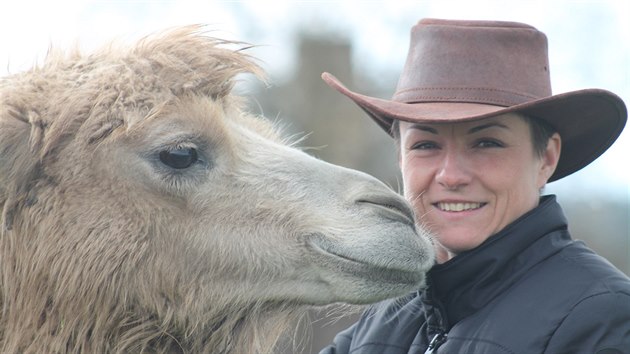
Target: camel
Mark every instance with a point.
(145, 210)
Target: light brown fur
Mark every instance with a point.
(104, 248)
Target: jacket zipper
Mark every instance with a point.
(441, 324)
(435, 343)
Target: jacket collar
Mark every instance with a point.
(472, 279)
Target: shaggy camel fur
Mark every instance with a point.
(144, 210)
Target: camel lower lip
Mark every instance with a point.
(367, 270)
(322, 249)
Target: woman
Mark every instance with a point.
(480, 134)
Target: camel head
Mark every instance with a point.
(135, 187)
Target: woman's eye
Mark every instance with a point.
(488, 143)
(179, 158)
(424, 145)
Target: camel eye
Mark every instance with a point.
(179, 158)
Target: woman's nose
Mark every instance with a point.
(452, 173)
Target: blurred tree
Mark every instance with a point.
(337, 130)
(602, 223)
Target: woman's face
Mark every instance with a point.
(468, 180)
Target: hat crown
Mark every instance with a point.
(489, 62)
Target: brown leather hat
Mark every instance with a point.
(467, 70)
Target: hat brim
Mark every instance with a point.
(588, 121)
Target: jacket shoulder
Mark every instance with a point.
(598, 319)
(598, 323)
(591, 272)
(551, 303)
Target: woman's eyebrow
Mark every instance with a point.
(487, 126)
(425, 128)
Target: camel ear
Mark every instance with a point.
(19, 142)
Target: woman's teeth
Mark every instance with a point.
(458, 206)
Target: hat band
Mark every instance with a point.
(462, 94)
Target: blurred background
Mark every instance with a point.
(364, 43)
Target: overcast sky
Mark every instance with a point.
(589, 41)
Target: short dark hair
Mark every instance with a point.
(541, 132)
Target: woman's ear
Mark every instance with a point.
(550, 159)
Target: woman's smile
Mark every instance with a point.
(458, 207)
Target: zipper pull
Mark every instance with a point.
(435, 343)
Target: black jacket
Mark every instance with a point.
(528, 289)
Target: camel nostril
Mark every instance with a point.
(391, 206)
